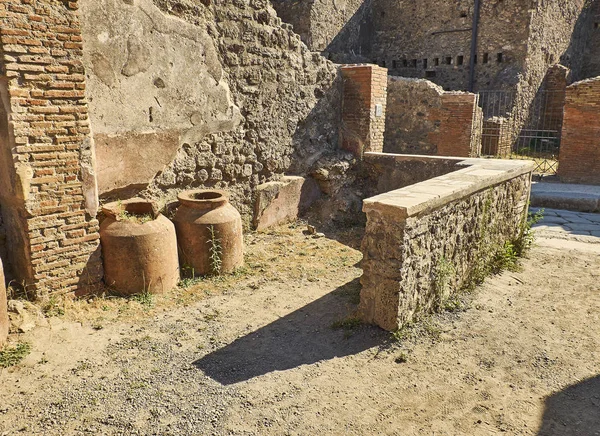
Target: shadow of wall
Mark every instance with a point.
(353, 43)
(303, 337)
(574, 411)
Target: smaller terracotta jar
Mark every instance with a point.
(209, 232)
(139, 248)
(4, 323)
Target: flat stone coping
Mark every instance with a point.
(476, 175)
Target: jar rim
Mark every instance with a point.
(203, 198)
(131, 207)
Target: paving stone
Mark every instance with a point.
(583, 227)
(550, 227)
(553, 220)
(593, 217)
(547, 212)
(576, 219)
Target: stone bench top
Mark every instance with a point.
(476, 175)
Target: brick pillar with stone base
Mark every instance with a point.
(363, 108)
(48, 194)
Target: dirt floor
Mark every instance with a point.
(275, 350)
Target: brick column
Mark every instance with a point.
(579, 159)
(363, 109)
(47, 189)
(458, 132)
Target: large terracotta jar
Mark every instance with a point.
(4, 323)
(209, 233)
(139, 248)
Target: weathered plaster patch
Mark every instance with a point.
(151, 77)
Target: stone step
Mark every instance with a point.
(579, 198)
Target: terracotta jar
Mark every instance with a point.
(4, 323)
(209, 232)
(139, 248)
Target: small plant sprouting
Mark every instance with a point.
(215, 250)
(349, 325)
(123, 215)
(444, 272)
(145, 298)
(11, 356)
(52, 307)
(402, 357)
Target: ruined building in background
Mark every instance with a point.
(508, 51)
(506, 43)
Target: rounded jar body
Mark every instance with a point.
(209, 233)
(139, 254)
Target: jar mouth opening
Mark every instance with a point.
(133, 210)
(206, 195)
(203, 198)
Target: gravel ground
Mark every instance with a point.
(260, 355)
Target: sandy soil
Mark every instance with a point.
(259, 355)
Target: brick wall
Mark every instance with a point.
(423, 119)
(458, 134)
(363, 108)
(54, 241)
(579, 159)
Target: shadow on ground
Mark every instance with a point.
(573, 411)
(302, 337)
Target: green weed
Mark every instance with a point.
(11, 356)
(215, 250)
(145, 298)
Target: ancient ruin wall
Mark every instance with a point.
(386, 172)
(424, 242)
(340, 29)
(47, 191)
(423, 119)
(412, 44)
(579, 160)
(551, 29)
(583, 55)
(184, 94)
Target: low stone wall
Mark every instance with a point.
(422, 118)
(387, 172)
(579, 159)
(426, 240)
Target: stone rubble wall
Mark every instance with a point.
(339, 29)
(386, 172)
(583, 55)
(422, 118)
(47, 188)
(424, 242)
(203, 94)
(412, 44)
(579, 159)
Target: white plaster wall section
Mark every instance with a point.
(149, 74)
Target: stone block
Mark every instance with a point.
(282, 201)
